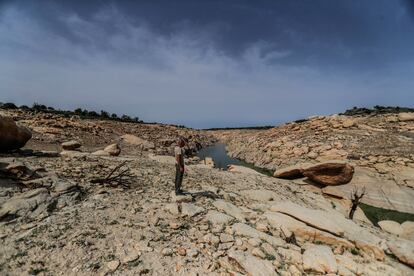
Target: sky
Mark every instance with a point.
(203, 64)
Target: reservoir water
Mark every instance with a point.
(219, 155)
(222, 160)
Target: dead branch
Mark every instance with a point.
(356, 196)
(119, 176)
(289, 239)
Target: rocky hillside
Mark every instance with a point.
(83, 208)
(50, 130)
(380, 145)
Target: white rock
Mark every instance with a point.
(242, 169)
(268, 249)
(408, 230)
(403, 250)
(290, 255)
(217, 219)
(71, 145)
(230, 209)
(190, 210)
(392, 227)
(73, 153)
(192, 253)
(101, 153)
(226, 238)
(336, 223)
(172, 208)
(319, 258)
(136, 141)
(211, 239)
(260, 195)
(180, 198)
(255, 242)
(316, 218)
(113, 149)
(245, 230)
(112, 265)
(348, 263)
(167, 252)
(252, 265)
(258, 253)
(406, 116)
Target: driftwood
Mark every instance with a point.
(356, 197)
(119, 176)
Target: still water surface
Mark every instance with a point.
(219, 155)
(222, 160)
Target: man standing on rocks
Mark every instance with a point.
(179, 165)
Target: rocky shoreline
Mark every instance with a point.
(380, 148)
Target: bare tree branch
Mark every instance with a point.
(119, 176)
(356, 196)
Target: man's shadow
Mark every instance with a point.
(207, 194)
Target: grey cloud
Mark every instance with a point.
(206, 65)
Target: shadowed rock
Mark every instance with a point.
(330, 174)
(292, 172)
(12, 136)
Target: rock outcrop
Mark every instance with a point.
(377, 144)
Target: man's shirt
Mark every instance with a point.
(179, 151)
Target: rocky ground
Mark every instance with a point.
(379, 145)
(58, 217)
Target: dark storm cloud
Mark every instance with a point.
(313, 31)
(210, 56)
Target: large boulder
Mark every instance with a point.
(406, 116)
(137, 141)
(330, 174)
(12, 136)
(390, 226)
